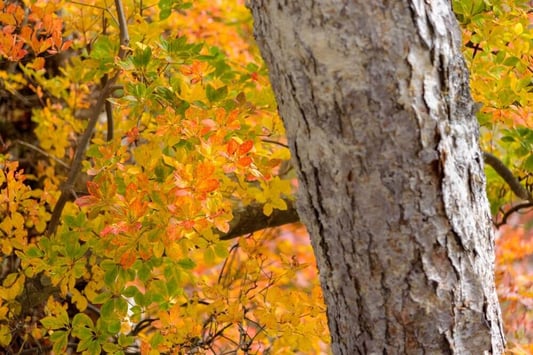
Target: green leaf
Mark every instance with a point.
(187, 264)
(52, 323)
(528, 163)
(144, 273)
(142, 57)
(34, 252)
(108, 308)
(209, 255)
(173, 287)
(82, 320)
(60, 339)
(124, 340)
(156, 340)
(84, 344)
(511, 61)
(164, 14)
(103, 52)
(83, 333)
(130, 291)
(221, 250)
(103, 297)
(214, 95)
(63, 317)
(110, 276)
(94, 348)
(113, 326)
(111, 348)
(94, 151)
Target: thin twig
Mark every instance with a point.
(37, 149)
(275, 142)
(512, 210)
(105, 9)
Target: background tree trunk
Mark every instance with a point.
(380, 122)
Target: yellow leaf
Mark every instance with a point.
(170, 161)
(18, 220)
(6, 247)
(133, 170)
(3, 312)
(173, 251)
(5, 335)
(279, 204)
(6, 225)
(12, 286)
(79, 300)
(518, 28)
(158, 248)
(267, 209)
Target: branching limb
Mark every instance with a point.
(506, 174)
(512, 210)
(37, 149)
(83, 142)
(251, 218)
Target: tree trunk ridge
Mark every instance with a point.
(375, 99)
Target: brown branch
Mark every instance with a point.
(512, 210)
(506, 174)
(75, 168)
(37, 149)
(251, 219)
(109, 118)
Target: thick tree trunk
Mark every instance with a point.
(378, 113)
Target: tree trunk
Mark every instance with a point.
(379, 118)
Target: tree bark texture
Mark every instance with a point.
(378, 113)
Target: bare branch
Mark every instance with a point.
(75, 167)
(251, 219)
(37, 149)
(510, 211)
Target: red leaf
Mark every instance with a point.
(233, 145)
(244, 162)
(246, 147)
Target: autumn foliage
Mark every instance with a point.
(187, 135)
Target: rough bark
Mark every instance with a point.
(378, 113)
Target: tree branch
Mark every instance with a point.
(512, 210)
(506, 174)
(251, 219)
(75, 168)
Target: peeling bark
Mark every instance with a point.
(375, 99)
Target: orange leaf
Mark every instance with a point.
(38, 63)
(246, 147)
(244, 161)
(232, 147)
(127, 259)
(26, 33)
(93, 188)
(205, 170)
(132, 135)
(207, 185)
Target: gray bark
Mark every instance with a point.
(376, 103)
